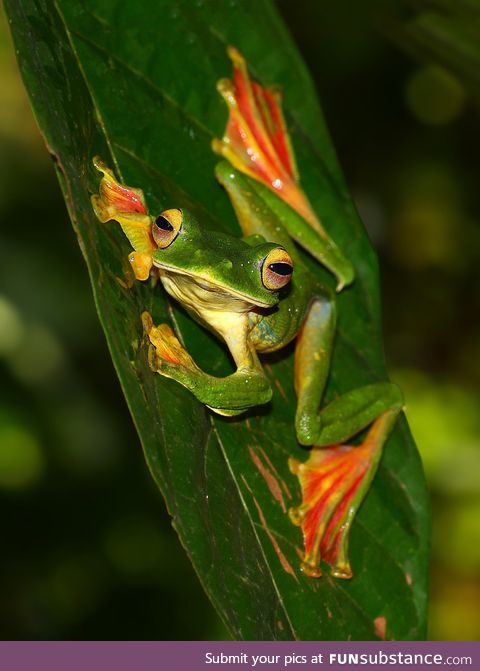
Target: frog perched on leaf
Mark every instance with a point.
(257, 295)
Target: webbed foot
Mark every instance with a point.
(126, 205)
(166, 354)
(334, 481)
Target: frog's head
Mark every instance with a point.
(219, 263)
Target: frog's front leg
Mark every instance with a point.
(125, 204)
(229, 396)
(336, 477)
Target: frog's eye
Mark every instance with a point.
(166, 227)
(277, 269)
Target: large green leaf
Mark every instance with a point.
(135, 83)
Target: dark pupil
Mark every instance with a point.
(163, 223)
(281, 268)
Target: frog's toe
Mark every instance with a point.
(168, 365)
(147, 322)
(310, 569)
(154, 361)
(166, 351)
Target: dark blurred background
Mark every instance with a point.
(87, 550)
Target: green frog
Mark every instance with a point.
(257, 295)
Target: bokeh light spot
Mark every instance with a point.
(11, 328)
(445, 422)
(39, 358)
(74, 588)
(426, 224)
(434, 96)
(21, 459)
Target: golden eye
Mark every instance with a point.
(277, 269)
(166, 227)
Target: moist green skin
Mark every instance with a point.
(217, 278)
(240, 289)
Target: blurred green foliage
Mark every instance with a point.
(444, 32)
(87, 548)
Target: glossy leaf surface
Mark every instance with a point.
(136, 84)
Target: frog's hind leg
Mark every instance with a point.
(336, 477)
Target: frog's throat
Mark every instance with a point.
(215, 289)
